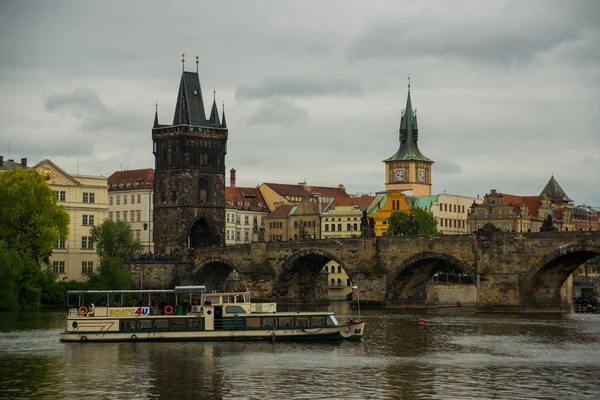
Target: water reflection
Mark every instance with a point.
(456, 354)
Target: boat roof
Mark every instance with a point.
(177, 290)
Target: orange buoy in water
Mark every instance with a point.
(421, 321)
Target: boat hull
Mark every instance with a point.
(351, 331)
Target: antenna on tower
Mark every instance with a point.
(197, 61)
(182, 62)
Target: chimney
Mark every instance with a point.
(232, 177)
(302, 184)
(341, 187)
(24, 162)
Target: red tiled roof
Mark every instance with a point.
(244, 198)
(281, 212)
(131, 179)
(284, 189)
(328, 192)
(362, 202)
(532, 202)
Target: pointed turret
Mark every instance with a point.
(223, 123)
(190, 106)
(554, 191)
(156, 125)
(409, 135)
(214, 112)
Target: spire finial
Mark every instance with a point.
(183, 61)
(157, 106)
(409, 84)
(223, 105)
(197, 62)
(214, 93)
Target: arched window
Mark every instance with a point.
(339, 282)
(339, 269)
(332, 282)
(347, 282)
(332, 269)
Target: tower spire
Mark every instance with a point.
(197, 62)
(182, 62)
(409, 84)
(156, 116)
(214, 112)
(223, 123)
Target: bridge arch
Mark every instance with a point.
(217, 273)
(542, 285)
(408, 282)
(302, 276)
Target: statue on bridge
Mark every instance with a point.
(413, 226)
(547, 225)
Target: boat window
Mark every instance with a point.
(317, 321)
(126, 324)
(269, 322)
(253, 322)
(234, 310)
(246, 298)
(177, 323)
(145, 324)
(195, 323)
(212, 300)
(331, 321)
(240, 298)
(228, 299)
(161, 324)
(286, 322)
(301, 322)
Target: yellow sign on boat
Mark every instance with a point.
(128, 311)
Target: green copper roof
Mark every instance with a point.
(423, 202)
(409, 134)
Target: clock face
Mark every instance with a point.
(421, 175)
(399, 175)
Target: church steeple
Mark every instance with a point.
(190, 105)
(409, 135)
(156, 125)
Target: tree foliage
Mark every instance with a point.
(116, 247)
(31, 222)
(423, 221)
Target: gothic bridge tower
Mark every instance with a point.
(189, 176)
(409, 169)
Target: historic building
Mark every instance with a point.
(450, 211)
(383, 206)
(85, 198)
(342, 217)
(409, 169)
(245, 214)
(339, 284)
(189, 172)
(130, 200)
(514, 213)
(276, 194)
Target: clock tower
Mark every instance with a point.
(408, 169)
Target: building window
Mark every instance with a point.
(89, 197)
(133, 198)
(246, 239)
(339, 282)
(139, 197)
(445, 207)
(124, 199)
(110, 200)
(347, 282)
(60, 244)
(326, 227)
(58, 267)
(124, 216)
(88, 220)
(349, 227)
(237, 236)
(355, 227)
(332, 269)
(60, 195)
(339, 227)
(86, 242)
(137, 234)
(118, 199)
(332, 227)
(110, 215)
(87, 267)
(138, 215)
(295, 224)
(118, 215)
(246, 221)
(332, 283)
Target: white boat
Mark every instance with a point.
(201, 316)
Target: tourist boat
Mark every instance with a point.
(195, 315)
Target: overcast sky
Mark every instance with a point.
(507, 92)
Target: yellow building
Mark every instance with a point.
(342, 217)
(382, 208)
(339, 285)
(85, 198)
(408, 169)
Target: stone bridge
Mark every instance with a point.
(512, 271)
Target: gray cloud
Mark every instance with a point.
(447, 167)
(300, 88)
(278, 112)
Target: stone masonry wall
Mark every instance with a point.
(451, 295)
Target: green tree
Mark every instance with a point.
(116, 247)
(11, 271)
(31, 222)
(423, 220)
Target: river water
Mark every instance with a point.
(457, 354)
